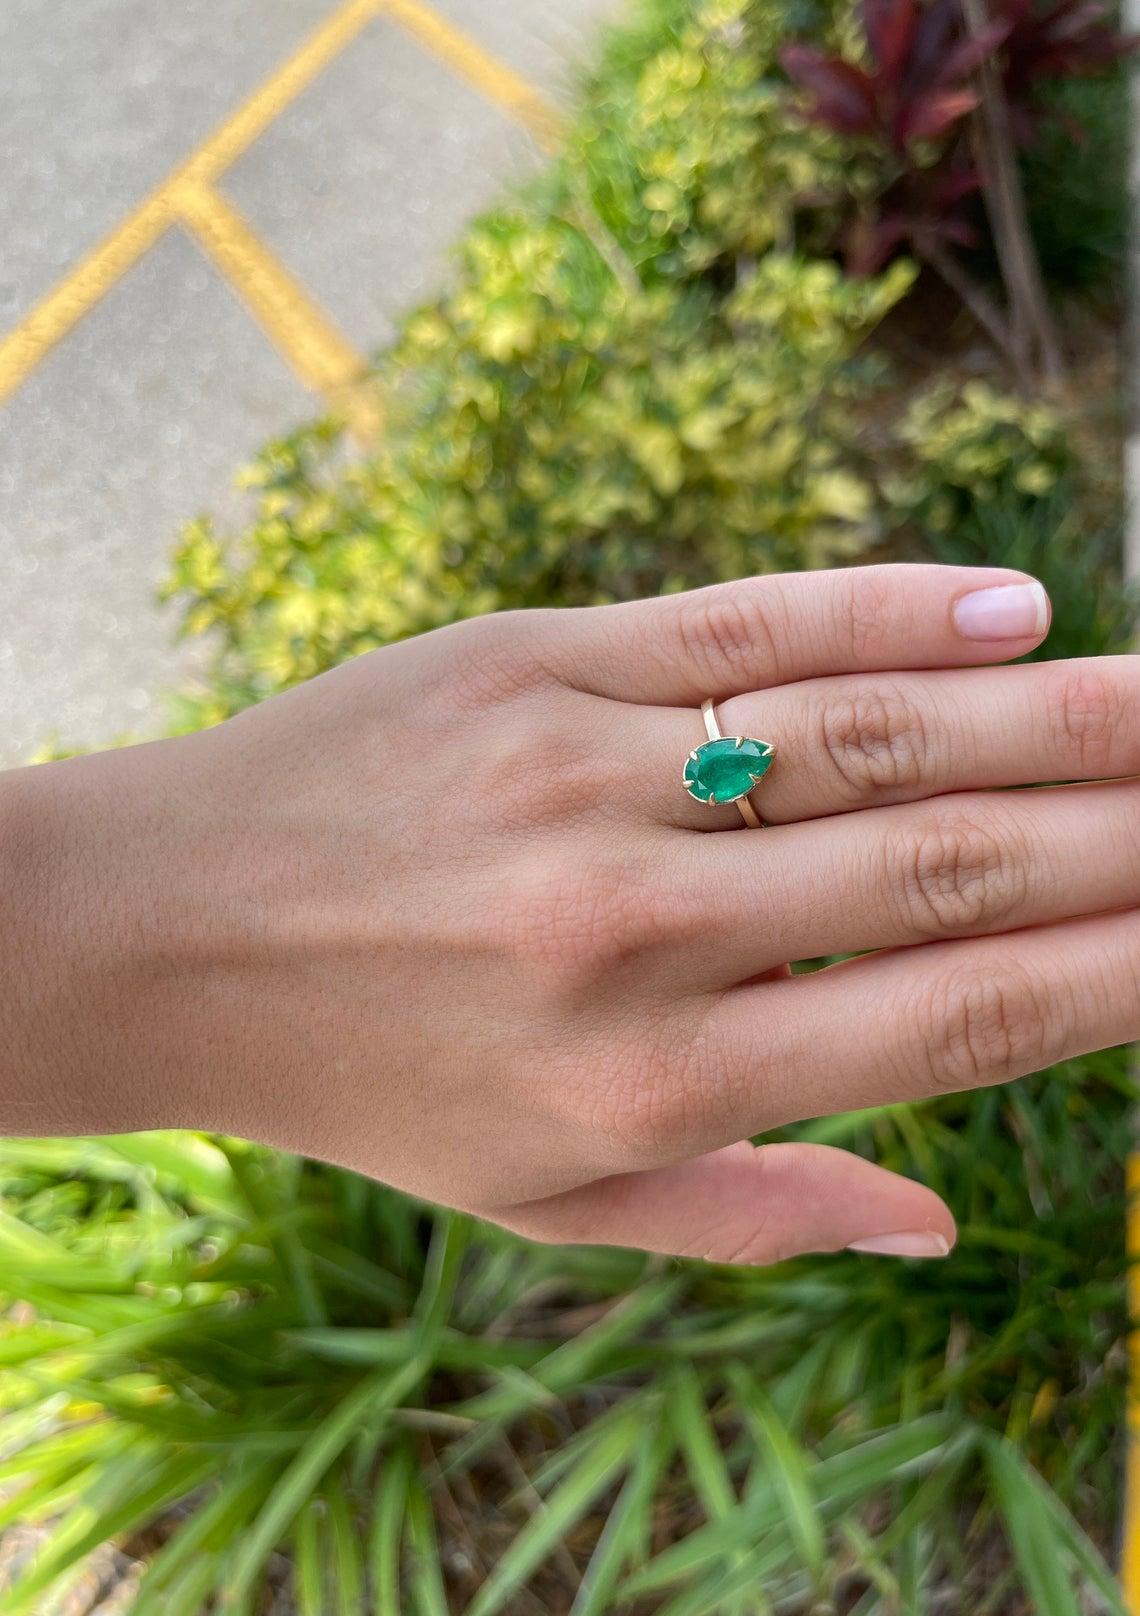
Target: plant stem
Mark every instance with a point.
(1033, 336)
(975, 298)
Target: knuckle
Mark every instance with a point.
(987, 1028)
(727, 632)
(876, 740)
(489, 661)
(724, 1243)
(960, 874)
(871, 602)
(753, 1232)
(576, 922)
(655, 1106)
(533, 771)
(1087, 709)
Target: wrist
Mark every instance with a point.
(78, 913)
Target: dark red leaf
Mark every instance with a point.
(931, 116)
(939, 28)
(890, 26)
(844, 95)
(1071, 39)
(959, 232)
(968, 55)
(868, 244)
(1072, 20)
(958, 186)
(1014, 11)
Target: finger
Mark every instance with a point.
(760, 632)
(961, 866)
(856, 744)
(747, 1205)
(903, 1025)
(846, 743)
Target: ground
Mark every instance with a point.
(211, 215)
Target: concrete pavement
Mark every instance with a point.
(154, 331)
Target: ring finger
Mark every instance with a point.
(848, 742)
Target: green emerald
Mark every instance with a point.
(724, 770)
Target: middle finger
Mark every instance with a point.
(959, 866)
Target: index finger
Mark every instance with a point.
(757, 632)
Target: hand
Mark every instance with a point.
(447, 916)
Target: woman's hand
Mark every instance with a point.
(446, 915)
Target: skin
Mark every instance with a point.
(446, 915)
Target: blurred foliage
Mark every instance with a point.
(624, 392)
(1052, 539)
(1076, 184)
(966, 446)
(641, 379)
(904, 95)
(402, 1399)
(553, 438)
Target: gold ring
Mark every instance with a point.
(726, 767)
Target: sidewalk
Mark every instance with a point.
(209, 217)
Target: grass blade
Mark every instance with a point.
(309, 1561)
(425, 1579)
(374, 1394)
(387, 1528)
(594, 1472)
(345, 1561)
(626, 1530)
(789, 1468)
(1032, 1524)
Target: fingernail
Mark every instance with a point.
(1005, 612)
(905, 1243)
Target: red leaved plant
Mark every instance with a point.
(917, 84)
(922, 58)
(928, 67)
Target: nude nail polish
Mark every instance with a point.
(903, 1243)
(1004, 612)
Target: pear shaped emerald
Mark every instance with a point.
(724, 770)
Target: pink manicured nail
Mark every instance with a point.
(1005, 612)
(903, 1244)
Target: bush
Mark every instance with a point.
(552, 437)
(638, 382)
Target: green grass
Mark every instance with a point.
(419, 1409)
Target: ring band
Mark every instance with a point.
(726, 767)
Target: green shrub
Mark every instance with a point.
(687, 152)
(552, 437)
(639, 382)
(312, 1358)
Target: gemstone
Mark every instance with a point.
(724, 770)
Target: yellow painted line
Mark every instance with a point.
(251, 119)
(471, 62)
(77, 293)
(1130, 1546)
(322, 358)
(53, 317)
(29, 342)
